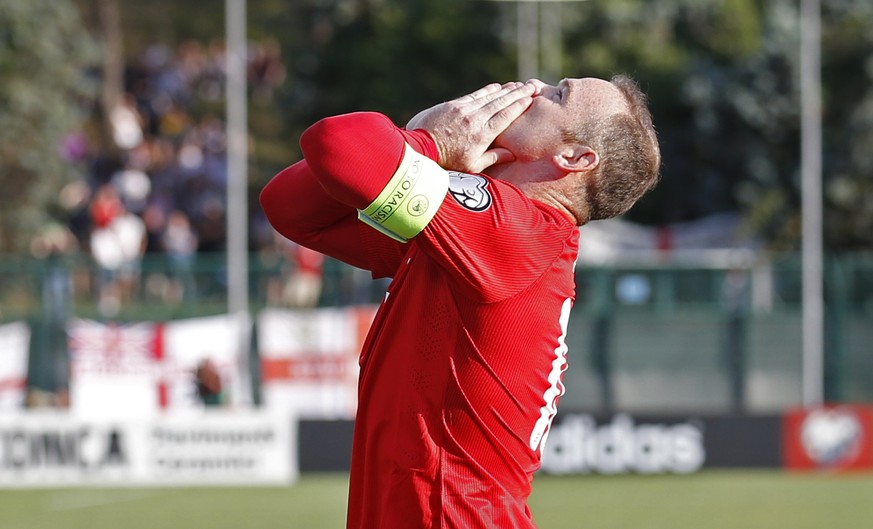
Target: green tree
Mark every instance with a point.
(398, 56)
(44, 93)
(723, 76)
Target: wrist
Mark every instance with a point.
(427, 144)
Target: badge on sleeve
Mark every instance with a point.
(404, 207)
(470, 191)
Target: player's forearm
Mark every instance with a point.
(354, 155)
(298, 207)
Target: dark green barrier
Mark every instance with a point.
(656, 335)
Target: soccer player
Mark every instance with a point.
(473, 210)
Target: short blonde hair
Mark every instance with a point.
(630, 158)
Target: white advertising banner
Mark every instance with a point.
(207, 448)
(309, 359)
(142, 368)
(14, 349)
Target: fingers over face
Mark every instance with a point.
(508, 110)
(506, 96)
(495, 92)
(480, 93)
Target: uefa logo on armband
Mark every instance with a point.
(417, 205)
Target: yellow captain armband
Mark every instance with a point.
(411, 198)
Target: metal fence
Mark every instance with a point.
(698, 332)
(717, 333)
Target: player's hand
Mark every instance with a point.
(465, 128)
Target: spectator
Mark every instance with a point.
(303, 288)
(164, 152)
(118, 241)
(180, 244)
(208, 383)
(126, 123)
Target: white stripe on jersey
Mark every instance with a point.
(556, 386)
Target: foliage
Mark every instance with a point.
(392, 56)
(44, 93)
(722, 76)
(724, 80)
(398, 57)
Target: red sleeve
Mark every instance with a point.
(355, 155)
(299, 209)
(349, 159)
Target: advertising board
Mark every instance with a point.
(834, 438)
(582, 443)
(220, 448)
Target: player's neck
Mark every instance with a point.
(552, 193)
(540, 182)
(519, 173)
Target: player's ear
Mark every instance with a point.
(574, 158)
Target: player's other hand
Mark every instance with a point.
(465, 128)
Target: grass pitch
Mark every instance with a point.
(708, 500)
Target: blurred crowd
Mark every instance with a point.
(156, 182)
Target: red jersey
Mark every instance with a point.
(461, 372)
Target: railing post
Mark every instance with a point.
(837, 283)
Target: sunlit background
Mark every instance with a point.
(155, 330)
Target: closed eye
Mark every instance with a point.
(564, 89)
